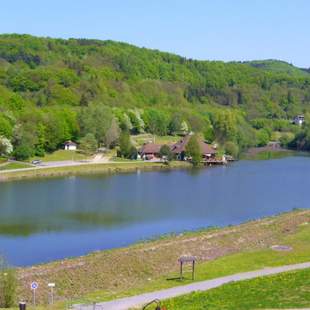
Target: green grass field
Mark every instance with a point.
(3, 160)
(139, 140)
(12, 166)
(288, 290)
(61, 155)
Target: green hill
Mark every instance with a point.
(52, 90)
(280, 67)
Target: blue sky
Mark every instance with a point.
(202, 29)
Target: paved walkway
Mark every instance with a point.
(136, 301)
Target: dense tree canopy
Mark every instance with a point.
(53, 90)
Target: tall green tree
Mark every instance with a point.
(193, 150)
(96, 119)
(88, 144)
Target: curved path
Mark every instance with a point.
(136, 301)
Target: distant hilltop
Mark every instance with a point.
(56, 90)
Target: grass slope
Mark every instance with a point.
(147, 266)
(287, 290)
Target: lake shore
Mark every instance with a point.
(152, 265)
(89, 169)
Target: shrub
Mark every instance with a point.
(166, 152)
(232, 149)
(8, 285)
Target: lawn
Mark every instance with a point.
(61, 155)
(287, 290)
(139, 140)
(3, 160)
(13, 165)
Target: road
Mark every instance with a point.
(139, 300)
(67, 163)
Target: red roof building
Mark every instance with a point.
(179, 148)
(150, 151)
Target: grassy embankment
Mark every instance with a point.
(289, 290)
(88, 169)
(152, 265)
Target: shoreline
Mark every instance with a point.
(110, 168)
(146, 265)
(89, 169)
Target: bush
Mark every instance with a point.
(262, 137)
(232, 149)
(8, 285)
(23, 152)
(166, 152)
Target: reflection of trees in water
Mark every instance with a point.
(67, 222)
(195, 171)
(18, 229)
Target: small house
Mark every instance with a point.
(299, 120)
(150, 151)
(179, 148)
(70, 146)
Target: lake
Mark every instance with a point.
(44, 220)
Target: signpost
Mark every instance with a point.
(34, 286)
(187, 259)
(51, 286)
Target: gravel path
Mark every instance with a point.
(136, 301)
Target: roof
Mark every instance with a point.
(150, 148)
(70, 143)
(180, 146)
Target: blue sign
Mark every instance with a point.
(34, 285)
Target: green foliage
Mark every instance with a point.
(53, 90)
(23, 152)
(232, 149)
(263, 137)
(8, 285)
(156, 122)
(165, 152)
(193, 150)
(126, 149)
(5, 127)
(88, 144)
(96, 119)
(112, 134)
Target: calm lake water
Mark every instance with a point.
(43, 220)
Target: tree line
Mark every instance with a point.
(97, 92)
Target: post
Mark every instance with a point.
(51, 286)
(52, 295)
(34, 298)
(193, 271)
(181, 270)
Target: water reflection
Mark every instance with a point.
(55, 218)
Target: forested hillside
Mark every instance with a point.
(53, 90)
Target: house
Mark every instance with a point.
(150, 151)
(179, 148)
(70, 146)
(299, 120)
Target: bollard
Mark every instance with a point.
(22, 305)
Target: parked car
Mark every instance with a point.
(36, 162)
